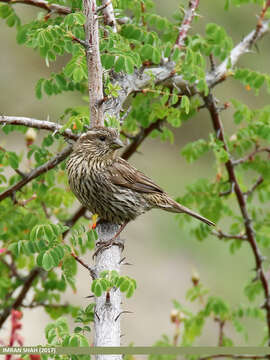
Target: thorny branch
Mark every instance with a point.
(241, 199)
(134, 82)
(34, 273)
(43, 4)
(37, 172)
(186, 23)
(37, 124)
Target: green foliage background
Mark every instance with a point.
(156, 245)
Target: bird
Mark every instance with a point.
(109, 186)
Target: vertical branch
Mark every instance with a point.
(95, 84)
(241, 199)
(106, 322)
(186, 23)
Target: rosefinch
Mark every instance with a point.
(109, 186)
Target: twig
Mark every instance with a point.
(140, 137)
(241, 199)
(221, 235)
(11, 266)
(260, 20)
(228, 192)
(186, 23)
(59, 9)
(19, 172)
(34, 273)
(36, 172)
(45, 210)
(80, 261)
(37, 124)
(254, 186)
(103, 6)
(79, 41)
(221, 324)
(250, 156)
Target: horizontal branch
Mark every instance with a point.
(250, 156)
(43, 4)
(243, 47)
(37, 124)
(36, 172)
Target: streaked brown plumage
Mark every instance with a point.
(109, 186)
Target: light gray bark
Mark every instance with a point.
(95, 84)
(107, 319)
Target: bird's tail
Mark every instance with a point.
(178, 208)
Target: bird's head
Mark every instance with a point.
(99, 141)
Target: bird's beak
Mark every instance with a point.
(117, 144)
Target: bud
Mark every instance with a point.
(195, 278)
(233, 137)
(30, 136)
(174, 315)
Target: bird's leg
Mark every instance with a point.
(102, 245)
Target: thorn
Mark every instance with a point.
(100, 8)
(124, 258)
(89, 296)
(97, 316)
(122, 312)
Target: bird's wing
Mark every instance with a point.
(121, 173)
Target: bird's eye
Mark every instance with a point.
(102, 138)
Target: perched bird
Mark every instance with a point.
(109, 186)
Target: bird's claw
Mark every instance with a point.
(103, 245)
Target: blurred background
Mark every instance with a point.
(162, 254)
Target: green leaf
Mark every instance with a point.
(185, 104)
(13, 159)
(130, 291)
(98, 289)
(107, 61)
(129, 65)
(22, 35)
(125, 285)
(120, 64)
(38, 89)
(48, 261)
